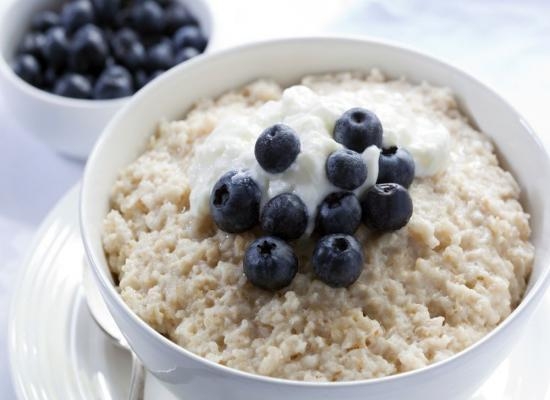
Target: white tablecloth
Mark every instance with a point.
(503, 42)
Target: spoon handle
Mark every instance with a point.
(137, 380)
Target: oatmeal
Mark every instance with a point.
(426, 292)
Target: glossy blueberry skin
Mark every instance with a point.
(185, 54)
(33, 43)
(113, 83)
(28, 68)
(106, 10)
(127, 49)
(338, 260)
(160, 56)
(396, 165)
(44, 20)
(147, 17)
(284, 216)
(190, 36)
(346, 169)
(56, 47)
(358, 129)
(73, 85)
(386, 207)
(235, 202)
(340, 212)
(176, 16)
(269, 263)
(277, 148)
(88, 50)
(77, 14)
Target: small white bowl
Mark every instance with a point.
(69, 126)
(193, 377)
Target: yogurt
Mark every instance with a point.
(312, 115)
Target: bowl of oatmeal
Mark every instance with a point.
(437, 300)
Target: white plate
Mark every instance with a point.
(57, 351)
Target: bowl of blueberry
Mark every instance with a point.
(67, 66)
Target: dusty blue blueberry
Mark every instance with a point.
(76, 14)
(276, 148)
(147, 17)
(127, 49)
(337, 260)
(114, 82)
(284, 216)
(28, 68)
(270, 263)
(73, 85)
(346, 169)
(358, 129)
(185, 54)
(235, 202)
(395, 165)
(340, 212)
(44, 20)
(88, 50)
(189, 36)
(386, 207)
(56, 47)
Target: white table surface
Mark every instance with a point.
(502, 42)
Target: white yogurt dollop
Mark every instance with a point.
(231, 145)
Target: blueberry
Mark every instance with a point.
(44, 20)
(76, 14)
(176, 16)
(106, 10)
(358, 129)
(73, 85)
(142, 78)
(50, 78)
(128, 50)
(386, 207)
(114, 82)
(88, 50)
(160, 56)
(189, 36)
(235, 202)
(147, 17)
(270, 263)
(340, 212)
(276, 148)
(28, 68)
(338, 260)
(346, 169)
(284, 216)
(395, 165)
(185, 54)
(123, 18)
(33, 43)
(56, 47)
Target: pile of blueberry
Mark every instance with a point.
(105, 49)
(270, 262)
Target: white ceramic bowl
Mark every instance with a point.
(286, 61)
(69, 126)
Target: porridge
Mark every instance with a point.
(423, 293)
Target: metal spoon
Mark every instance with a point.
(104, 320)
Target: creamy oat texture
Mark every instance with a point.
(427, 291)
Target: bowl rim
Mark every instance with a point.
(535, 292)
(64, 101)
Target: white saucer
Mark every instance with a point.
(57, 351)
